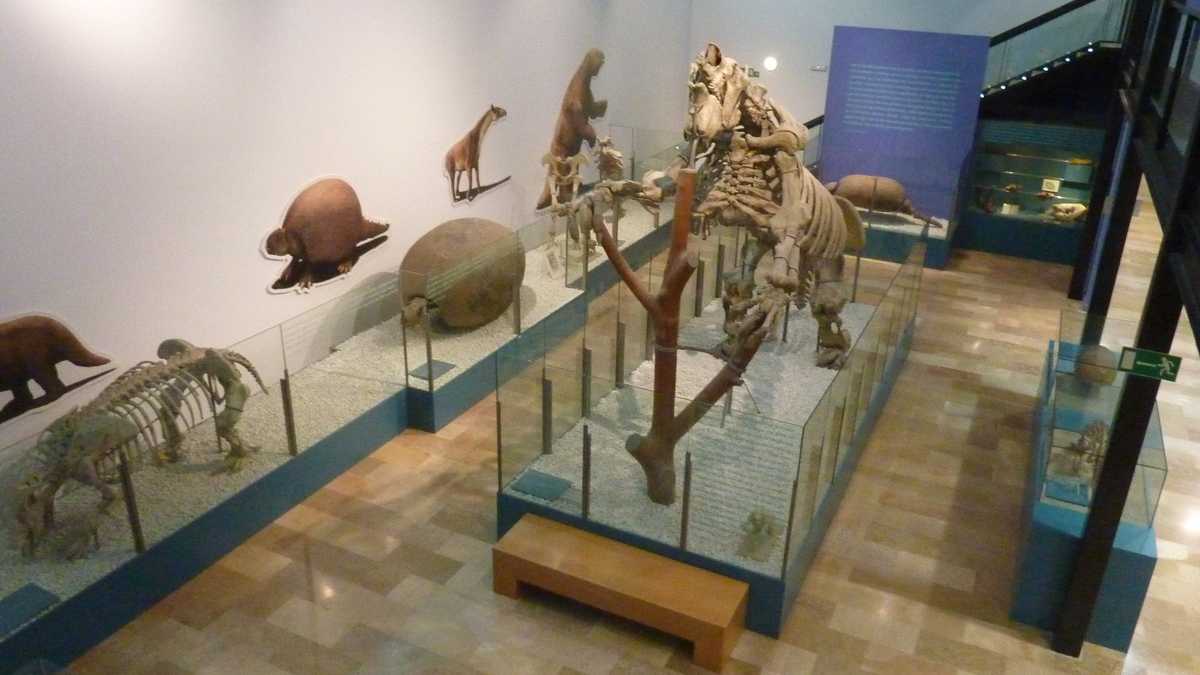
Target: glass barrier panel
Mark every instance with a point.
(601, 339)
(1060, 38)
(347, 356)
(743, 471)
(635, 331)
(617, 493)
(655, 150)
(524, 402)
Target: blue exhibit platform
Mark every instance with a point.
(66, 630)
(1052, 535)
(1021, 236)
(770, 597)
(430, 411)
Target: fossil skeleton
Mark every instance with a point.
(752, 179)
(136, 415)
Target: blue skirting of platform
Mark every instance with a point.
(1017, 237)
(770, 597)
(894, 246)
(1051, 538)
(431, 411)
(84, 620)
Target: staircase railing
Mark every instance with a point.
(1054, 38)
(1051, 39)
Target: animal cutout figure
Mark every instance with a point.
(579, 106)
(463, 157)
(31, 347)
(325, 234)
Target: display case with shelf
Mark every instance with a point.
(1030, 188)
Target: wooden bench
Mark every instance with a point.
(704, 608)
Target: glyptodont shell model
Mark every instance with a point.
(464, 272)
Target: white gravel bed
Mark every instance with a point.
(746, 464)
(173, 495)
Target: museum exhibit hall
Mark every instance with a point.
(600, 336)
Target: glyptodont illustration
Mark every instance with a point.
(464, 273)
(324, 232)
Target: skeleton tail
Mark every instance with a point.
(245, 363)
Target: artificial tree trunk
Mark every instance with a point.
(655, 451)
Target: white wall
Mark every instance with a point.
(147, 146)
(800, 34)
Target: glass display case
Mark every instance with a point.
(1083, 402)
(757, 477)
(1080, 389)
(1030, 189)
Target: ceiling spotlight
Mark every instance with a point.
(1004, 86)
(980, 94)
(1024, 77)
(1046, 68)
(1068, 59)
(1090, 50)
(770, 63)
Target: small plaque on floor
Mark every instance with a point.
(22, 605)
(440, 368)
(541, 485)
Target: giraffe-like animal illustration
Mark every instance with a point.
(463, 157)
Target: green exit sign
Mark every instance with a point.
(1150, 364)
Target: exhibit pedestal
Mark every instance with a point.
(706, 609)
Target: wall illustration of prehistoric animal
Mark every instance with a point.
(31, 347)
(324, 233)
(578, 107)
(463, 158)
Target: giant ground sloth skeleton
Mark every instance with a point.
(752, 179)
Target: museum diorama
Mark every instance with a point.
(713, 406)
(689, 333)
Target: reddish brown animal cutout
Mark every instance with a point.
(578, 106)
(31, 347)
(325, 234)
(463, 157)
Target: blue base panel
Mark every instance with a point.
(1022, 238)
(79, 623)
(770, 597)
(1052, 535)
(894, 247)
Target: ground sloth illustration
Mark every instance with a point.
(31, 347)
(578, 106)
(325, 234)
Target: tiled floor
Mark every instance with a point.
(387, 568)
